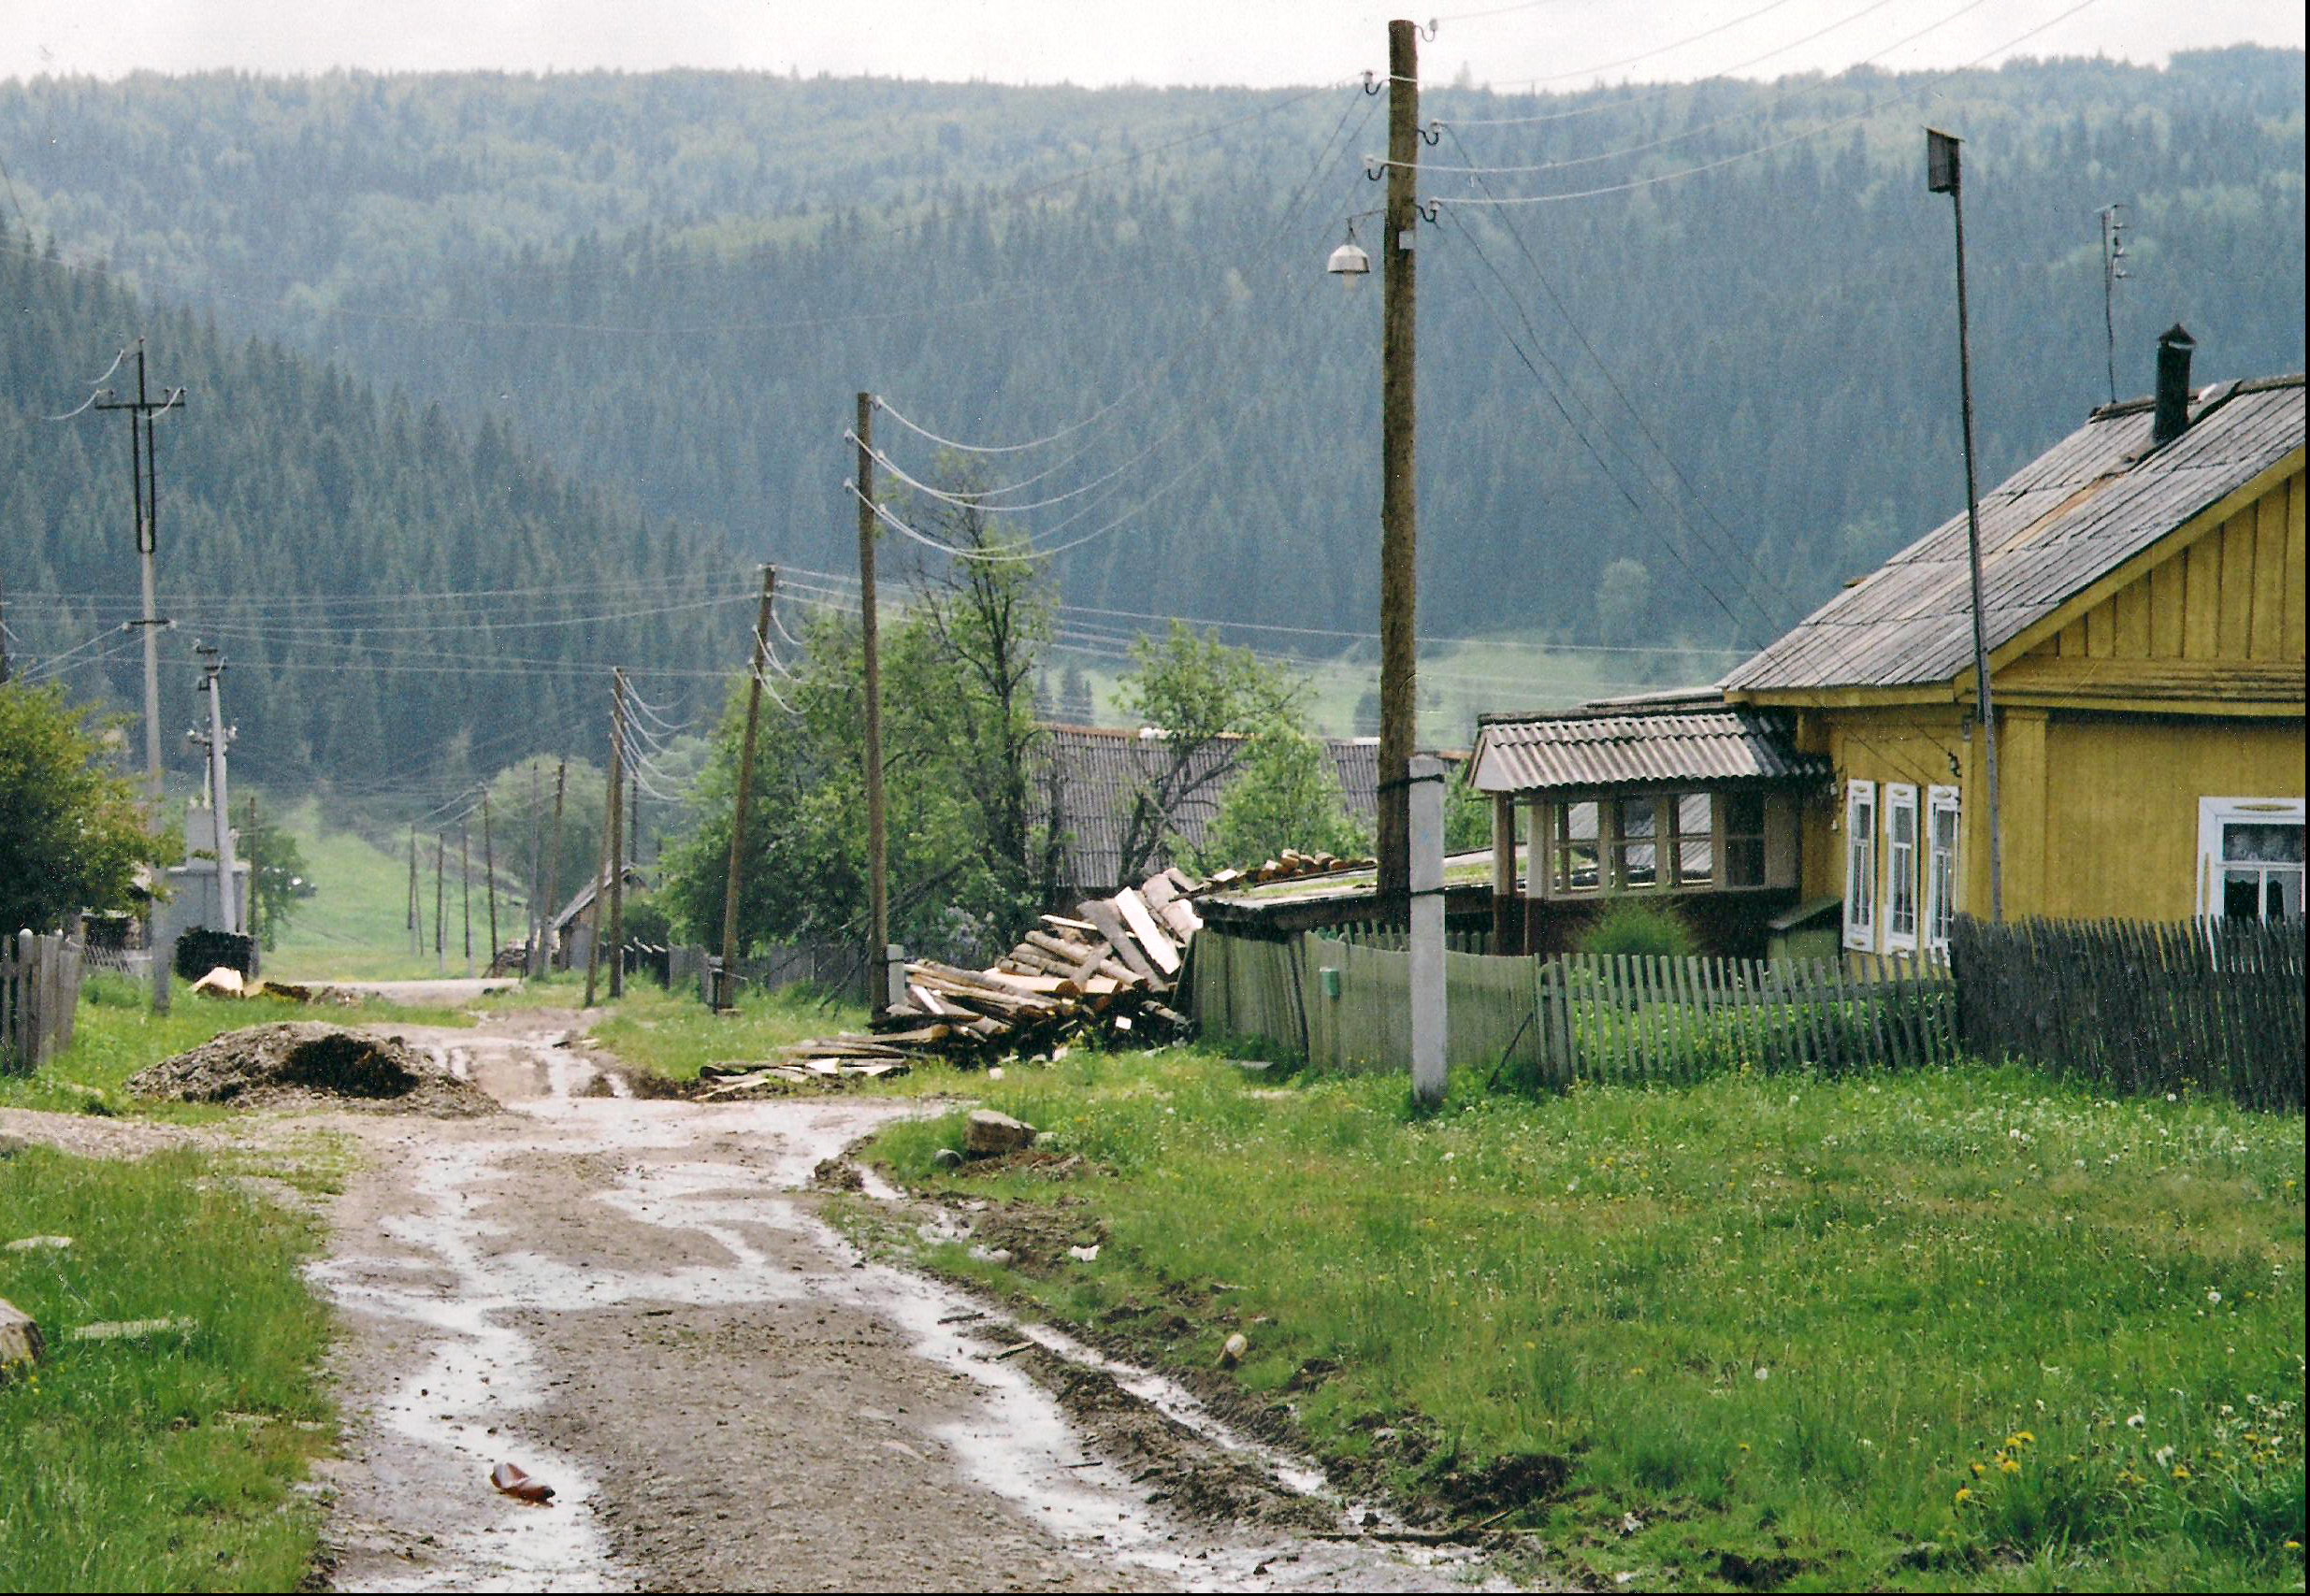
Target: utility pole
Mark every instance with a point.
(2112, 270)
(489, 875)
(617, 852)
(220, 808)
(440, 852)
(256, 865)
(553, 863)
(417, 938)
(465, 890)
(877, 841)
(144, 481)
(3, 630)
(734, 881)
(532, 880)
(1399, 504)
(1942, 176)
(593, 910)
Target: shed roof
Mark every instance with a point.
(2069, 517)
(1606, 746)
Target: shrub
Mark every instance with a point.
(1640, 930)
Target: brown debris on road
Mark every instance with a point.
(306, 1064)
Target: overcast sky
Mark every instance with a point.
(1561, 43)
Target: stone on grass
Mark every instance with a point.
(21, 1345)
(39, 1244)
(1232, 1352)
(134, 1330)
(990, 1135)
(947, 1159)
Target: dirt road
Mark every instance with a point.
(638, 1303)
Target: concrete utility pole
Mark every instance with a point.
(1942, 176)
(734, 881)
(618, 851)
(877, 841)
(1426, 942)
(220, 808)
(144, 480)
(1399, 505)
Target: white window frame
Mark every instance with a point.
(1861, 839)
(1939, 801)
(2213, 813)
(1900, 798)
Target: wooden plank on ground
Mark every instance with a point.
(1154, 939)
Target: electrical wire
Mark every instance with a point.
(1866, 111)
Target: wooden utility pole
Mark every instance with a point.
(489, 876)
(878, 842)
(256, 865)
(735, 880)
(1399, 509)
(553, 865)
(441, 853)
(416, 937)
(465, 890)
(617, 839)
(593, 922)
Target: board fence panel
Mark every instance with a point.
(39, 994)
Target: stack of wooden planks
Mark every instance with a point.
(1289, 866)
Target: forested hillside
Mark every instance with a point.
(351, 552)
(1684, 409)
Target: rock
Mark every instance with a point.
(11, 1145)
(947, 1159)
(990, 1135)
(1084, 1255)
(1232, 1353)
(40, 1244)
(21, 1345)
(221, 982)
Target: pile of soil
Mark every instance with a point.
(307, 1063)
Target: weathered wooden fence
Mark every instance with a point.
(40, 993)
(2210, 1004)
(1380, 934)
(840, 967)
(1346, 1005)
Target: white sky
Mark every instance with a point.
(1258, 42)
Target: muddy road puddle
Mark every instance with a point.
(637, 1303)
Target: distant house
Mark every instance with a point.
(1096, 774)
(2143, 598)
(568, 933)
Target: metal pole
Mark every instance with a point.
(734, 881)
(1952, 183)
(877, 841)
(1399, 511)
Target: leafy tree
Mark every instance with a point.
(1467, 814)
(276, 876)
(75, 827)
(1203, 696)
(521, 804)
(1285, 795)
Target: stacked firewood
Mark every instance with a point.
(1291, 865)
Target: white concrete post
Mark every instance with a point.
(1428, 929)
(893, 976)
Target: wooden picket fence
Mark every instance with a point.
(1397, 938)
(39, 994)
(2199, 1005)
(1621, 1017)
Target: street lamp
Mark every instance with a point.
(1349, 263)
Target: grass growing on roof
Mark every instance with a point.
(116, 1033)
(674, 1034)
(162, 1463)
(1969, 1327)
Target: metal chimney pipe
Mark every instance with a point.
(2172, 417)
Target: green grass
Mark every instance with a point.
(116, 1034)
(165, 1463)
(356, 926)
(1782, 1321)
(672, 1034)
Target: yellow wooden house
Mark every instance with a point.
(2142, 587)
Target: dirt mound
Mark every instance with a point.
(310, 1063)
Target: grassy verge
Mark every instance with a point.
(117, 1034)
(672, 1034)
(1969, 1327)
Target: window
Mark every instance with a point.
(1861, 865)
(1940, 869)
(2250, 859)
(1636, 851)
(1696, 846)
(1901, 867)
(1744, 837)
(1574, 847)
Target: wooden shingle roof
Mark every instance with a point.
(2071, 516)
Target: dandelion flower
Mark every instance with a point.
(2180, 1473)
(2007, 1466)
(1965, 1494)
